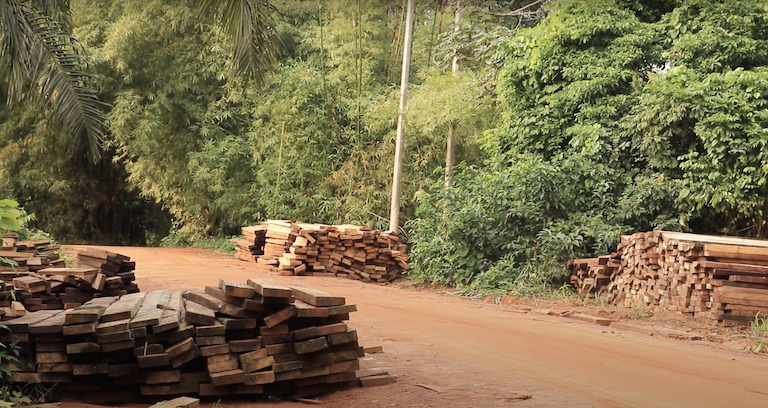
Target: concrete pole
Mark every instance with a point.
(397, 175)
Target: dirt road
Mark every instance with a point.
(484, 355)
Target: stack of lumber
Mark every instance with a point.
(259, 338)
(591, 276)
(252, 243)
(710, 277)
(349, 251)
(31, 255)
(100, 274)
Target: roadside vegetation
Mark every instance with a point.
(575, 122)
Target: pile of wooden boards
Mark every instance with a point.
(29, 256)
(100, 273)
(259, 338)
(348, 251)
(710, 277)
(592, 276)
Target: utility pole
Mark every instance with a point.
(397, 175)
(450, 140)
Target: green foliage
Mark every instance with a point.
(493, 228)
(10, 215)
(8, 353)
(617, 116)
(760, 324)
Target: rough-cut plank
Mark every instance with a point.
(203, 299)
(236, 289)
(592, 319)
(316, 297)
(281, 316)
(311, 346)
(171, 315)
(306, 310)
(180, 348)
(270, 288)
(216, 292)
(197, 314)
(163, 377)
(151, 309)
(243, 346)
(180, 402)
(22, 324)
(125, 308)
(87, 347)
(228, 377)
(218, 349)
(53, 324)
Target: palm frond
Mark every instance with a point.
(46, 64)
(250, 26)
(58, 10)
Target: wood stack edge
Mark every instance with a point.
(255, 338)
(349, 251)
(718, 278)
(40, 281)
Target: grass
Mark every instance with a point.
(760, 324)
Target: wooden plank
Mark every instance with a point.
(376, 380)
(311, 332)
(116, 326)
(244, 346)
(215, 350)
(180, 402)
(54, 368)
(270, 288)
(341, 310)
(592, 319)
(87, 347)
(90, 369)
(171, 315)
(219, 294)
(749, 279)
(180, 348)
(151, 310)
(281, 316)
(733, 266)
(236, 289)
(237, 324)
(311, 346)
(222, 366)
(203, 299)
(197, 314)
(259, 378)
(22, 324)
(316, 297)
(306, 310)
(53, 324)
(68, 271)
(228, 377)
(79, 329)
(125, 308)
(163, 377)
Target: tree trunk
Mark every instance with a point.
(397, 176)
